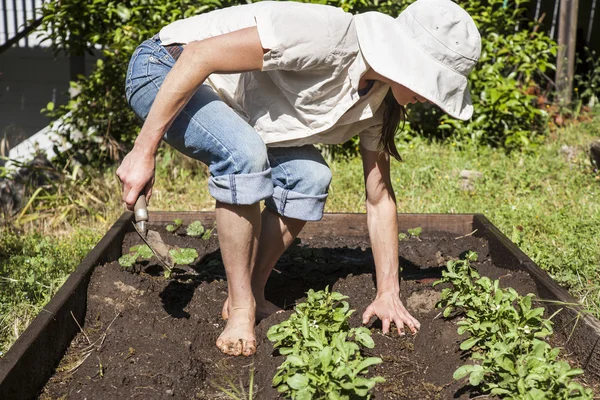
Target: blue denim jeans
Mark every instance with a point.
(293, 181)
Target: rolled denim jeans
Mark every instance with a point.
(293, 181)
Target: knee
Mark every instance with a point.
(317, 178)
(251, 159)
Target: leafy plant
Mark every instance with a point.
(323, 356)
(177, 222)
(183, 256)
(506, 337)
(415, 232)
(141, 251)
(196, 229)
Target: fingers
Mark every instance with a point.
(367, 315)
(131, 197)
(385, 326)
(400, 326)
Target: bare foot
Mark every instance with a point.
(238, 337)
(263, 310)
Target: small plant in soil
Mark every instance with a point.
(323, 354)
(184, 256)
(179, 256)
(136, 253)
(175, 225)
(506, 339)
(196, 229)
(415, 232)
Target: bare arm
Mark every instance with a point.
(382, 222)
(234, 52)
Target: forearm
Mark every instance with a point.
(178, 87)
(382, 223)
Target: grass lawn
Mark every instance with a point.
(546, 201)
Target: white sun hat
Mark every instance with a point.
(430, 48)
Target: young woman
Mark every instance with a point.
(249, 90)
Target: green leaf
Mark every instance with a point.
(142, 250)
(183, 256)
(363, 336)
(416, 232)
(195, 229)
(469, 343)
(123, 12)
(465, 370)
(367, 362)
(297, 381)
(127, 260)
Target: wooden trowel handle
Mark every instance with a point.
(141, 209)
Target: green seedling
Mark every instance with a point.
(415, 232)
(183, 256)
(195, 229)
(402, 236)
(141, 251)
(175, 225)
(506, 339)
(323, 353)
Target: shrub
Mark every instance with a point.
(504, 85)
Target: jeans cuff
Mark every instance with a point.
(297, 205)
(241, 188)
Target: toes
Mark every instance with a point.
(237, 347)
(249, 348)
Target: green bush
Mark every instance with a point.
(504, 85)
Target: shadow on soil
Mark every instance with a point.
(321, 268)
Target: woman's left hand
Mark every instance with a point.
(388, 307)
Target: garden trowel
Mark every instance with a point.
(151, 238)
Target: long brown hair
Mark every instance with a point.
(392, 115)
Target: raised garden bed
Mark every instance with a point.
(149, 337)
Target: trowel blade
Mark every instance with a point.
(157, 245)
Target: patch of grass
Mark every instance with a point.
(32, 268)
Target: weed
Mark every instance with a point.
(236, 392)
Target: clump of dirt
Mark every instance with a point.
(146, 337)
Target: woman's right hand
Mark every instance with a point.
(136, 174)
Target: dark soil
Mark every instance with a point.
(152, 338)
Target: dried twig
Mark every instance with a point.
(467, 235)
(80, 328)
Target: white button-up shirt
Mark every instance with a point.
(307, 91)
